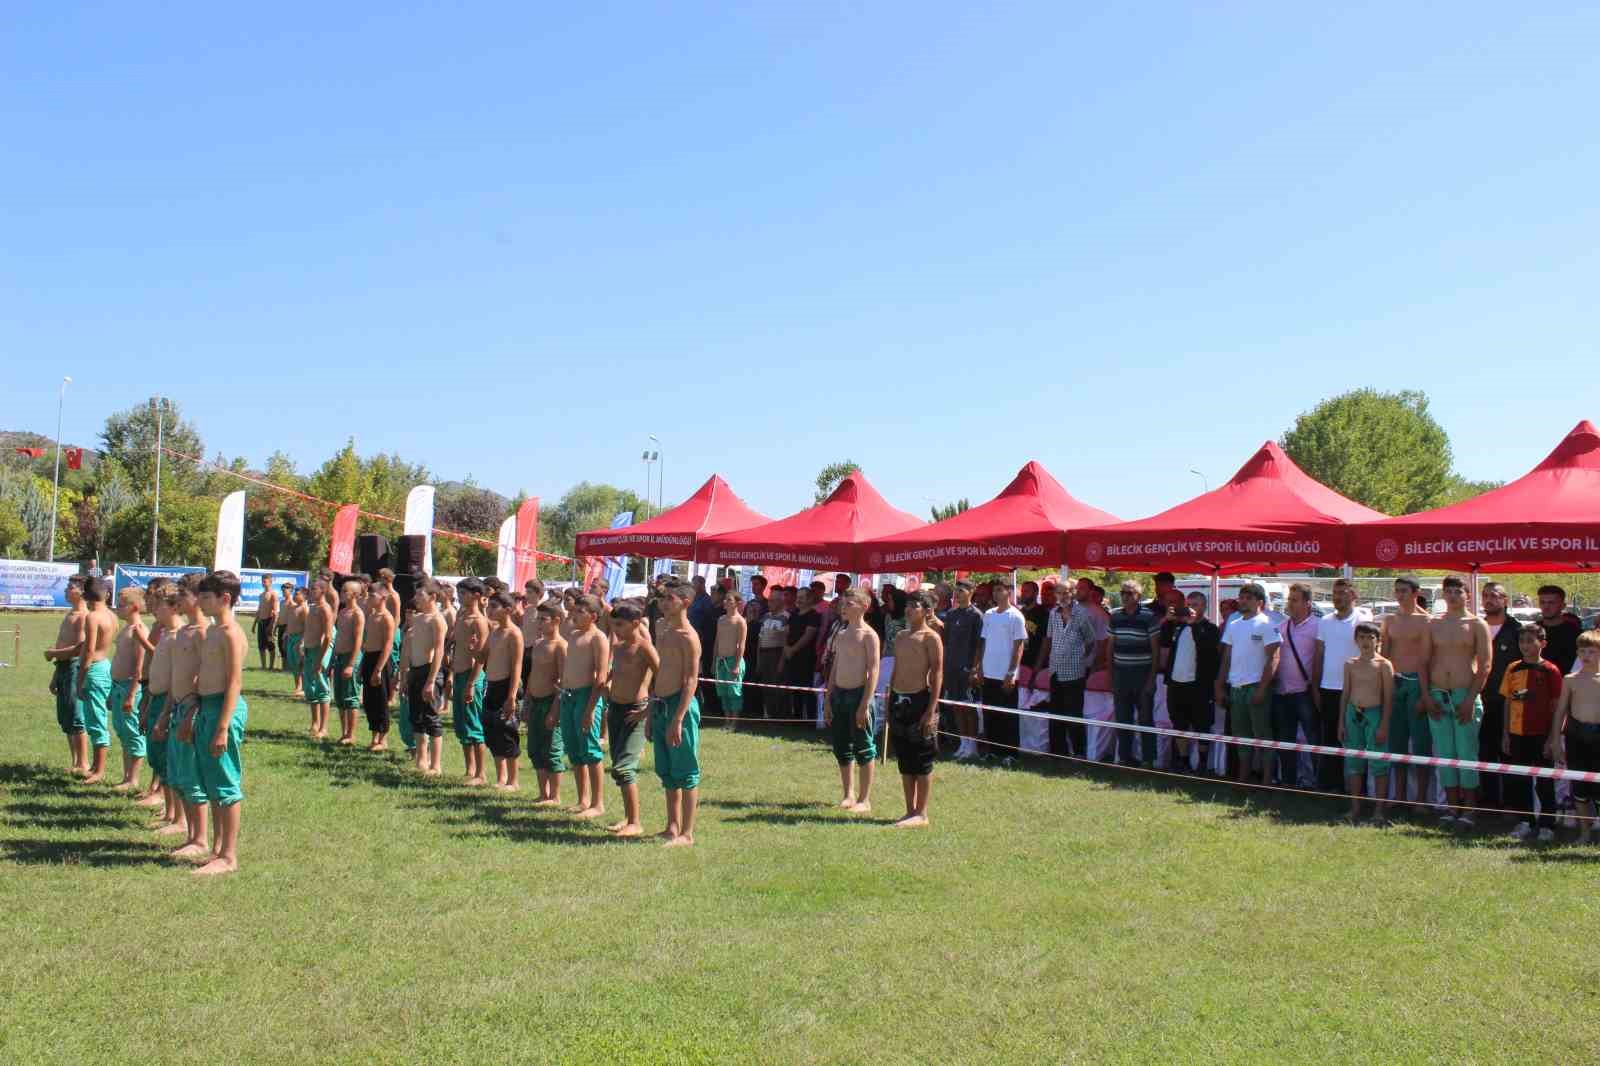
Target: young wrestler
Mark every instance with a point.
(377, 674)
(316, 652)
(674, 724)
(281, 629)
(1459, 663)
(1406, 643)
(172, 820)
(1364, 726)
(583, 681)
(294, 637)
(350, 631)
(94, 674)
(914, 690)
(569, 599)
(154, 592)
(528, 620)
(385, 582)
(127, 670)
(728, 661)
(469, 640)
(447, 611)
(634, 661)
(402, 655)
(64, 682)
(265, 625)
(1578, 720)
(502, 665)
(219, 725)
(547, 661)
(423, 660)
(183, 702)
(848, 711)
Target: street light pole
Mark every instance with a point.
(661, 473)
(155, 521)
(1202, 478)
(55, 499)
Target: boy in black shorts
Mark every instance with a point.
(913, 702)
(425, 661)
(502, 663)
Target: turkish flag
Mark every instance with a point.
(31, 453)
(74, 458)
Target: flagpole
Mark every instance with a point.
(55, 498)
(155, 521)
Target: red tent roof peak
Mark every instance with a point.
(1578, 450)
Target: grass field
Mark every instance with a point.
(381, 918)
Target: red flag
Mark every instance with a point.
(31, 453)
(527, 542)
(74, 458)
(342, 548)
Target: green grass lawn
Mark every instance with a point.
(381, 918)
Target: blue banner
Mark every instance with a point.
(136, 576)
(616, 572)
(28, 584)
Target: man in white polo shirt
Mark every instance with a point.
(1249, 663)
(1336, 642)
(1000, 644)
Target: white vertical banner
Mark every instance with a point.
(419, 521)
(230, 534)
(505, 567)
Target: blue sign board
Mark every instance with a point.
(28, 584)
(133, 575)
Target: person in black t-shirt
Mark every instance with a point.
(800, 654)
(1561, 628)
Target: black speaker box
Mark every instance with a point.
(372, 554)
(409, 552)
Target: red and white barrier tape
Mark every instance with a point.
(1252, 742)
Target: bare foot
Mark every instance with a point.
(151, 801)
(508, 788)
(910, 821)
(848, 803)
(473, 782)
(861, 808)
(217, 865)
(433, 772)
(667, 834)
(547, 803)
(79, 771)
(347, 742)
(124, 786)
(192, 852)
(680, 841)
(170, 829)
(94, 779)
(628, 829)
(590, 812)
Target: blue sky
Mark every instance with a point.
(512, 240)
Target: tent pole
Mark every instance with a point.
(1214, 608)
(1473, 604)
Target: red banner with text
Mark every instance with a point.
(527, 542)
(342, 547)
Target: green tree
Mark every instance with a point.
(281, 470)
(188, 531)
(1460, 488)
(284, 531)
(1382, 449)
(949, 510)
(129, 438)
(585, 506)
(13, 534)
(828, 477)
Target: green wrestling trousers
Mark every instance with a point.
(730, 690)
(1455, 739)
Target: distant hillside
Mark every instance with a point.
(11, 440)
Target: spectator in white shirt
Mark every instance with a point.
(1000, 644)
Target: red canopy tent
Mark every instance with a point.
(1026, 525)
(1548, 519)
(676, 533)
(1270, 514)
(829, 536)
